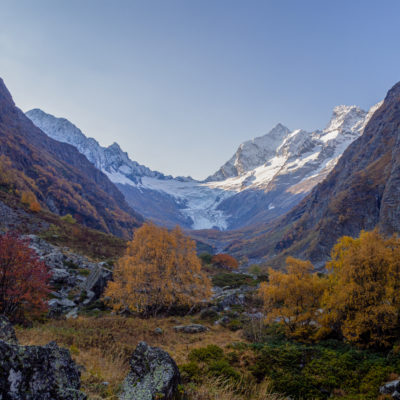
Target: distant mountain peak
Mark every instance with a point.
(111, 160)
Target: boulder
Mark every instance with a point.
(38, 373)
(392, 387)
(154, 375)
(226, 297)
(97, 281)
(193, 328)
(7, 333)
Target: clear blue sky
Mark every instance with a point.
(179, 84)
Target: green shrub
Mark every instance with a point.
(207, 354)
(316, 371)
(68, 218)
(205, 258)
(233, 280)
(222, 369)
(235, 325)
(190, 372)
(84, 271)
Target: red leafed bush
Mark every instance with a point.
(225, 261)
(24, 279)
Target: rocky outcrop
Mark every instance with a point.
(154, 375)
(38, 373)
(76, 280)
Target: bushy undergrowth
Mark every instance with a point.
(319, 371)
(233, 280)
(329, 369)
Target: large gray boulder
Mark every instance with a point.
(154, 375)
(7, 333)
(38, 373)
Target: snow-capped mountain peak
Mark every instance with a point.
(252, 154)
(111, 160)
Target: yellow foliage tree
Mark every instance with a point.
(293, 297)
(362, 301)
(28, 198)
(159, 270)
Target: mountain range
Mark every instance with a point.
(265, 178)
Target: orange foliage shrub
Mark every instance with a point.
(23, 279)
(226, 261)
(159, 270)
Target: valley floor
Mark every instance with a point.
(103, 346)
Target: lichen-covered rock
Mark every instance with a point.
(38, 373)
(154, 375)
(7, 332)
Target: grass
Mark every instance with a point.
(103, 346)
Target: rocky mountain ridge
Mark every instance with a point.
(56, 177)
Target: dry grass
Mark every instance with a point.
(217, 389)
(104, 345)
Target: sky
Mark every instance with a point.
(179, 84)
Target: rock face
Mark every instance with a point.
(38, 373)
(264, 179)
(154, 375)
(7, 333)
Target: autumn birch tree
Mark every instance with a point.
(160, 270)
(362, 302)
(292, 298)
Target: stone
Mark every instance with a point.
(97, 280)
(59, 275)
(396, 395)
(390, 387)
(7, 332)
(193, 328)
(154, 375)
(158, 331)
(38, 373)
(73, 314)
(223, 321)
